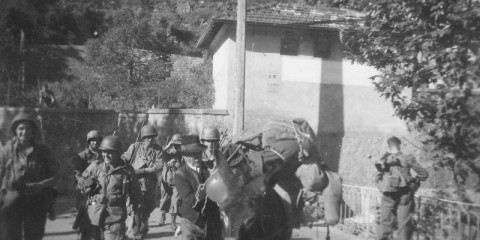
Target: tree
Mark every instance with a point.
(43, 23)
(416, 44)
(192, 87)
(131, 59)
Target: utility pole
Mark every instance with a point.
(8, 90)
(22, 67)
(239, 115)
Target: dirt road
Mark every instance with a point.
(61, 228)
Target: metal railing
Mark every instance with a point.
(433, 218)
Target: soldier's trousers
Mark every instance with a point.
(26, 216)
(169, 198)
(398, 205)
(148, 206)
(86, 229)
(174, 202)
(166, 197)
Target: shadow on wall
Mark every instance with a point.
(168, 125)
(128, 127)
(331, 129)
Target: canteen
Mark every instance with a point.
(216, 189)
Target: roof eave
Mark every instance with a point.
(203, 42)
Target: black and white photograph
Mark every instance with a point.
(240, 119)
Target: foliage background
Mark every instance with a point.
(430, 47)
(128, 45)
(120, 50)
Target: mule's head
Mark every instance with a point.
(237, 186)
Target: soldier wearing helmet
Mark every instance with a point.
(211, 139)
(169, 196)
(146, 158)
(112, 191)
(80, 162)
(91, 153)
(398, 186)
(27, 172)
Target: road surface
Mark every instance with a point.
(61, 228)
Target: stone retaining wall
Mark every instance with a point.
(64, 130)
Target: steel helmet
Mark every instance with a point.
(112, 143)
(22, 117)
(210, 133)
(93, 134)
(148, 130)
(394, 141)
(177, 139)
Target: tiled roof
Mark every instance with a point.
(281, 15)
(287, 16)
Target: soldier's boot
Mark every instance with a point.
(174, 224)
(162, 220)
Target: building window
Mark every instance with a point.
(289, 46)
(322, 46)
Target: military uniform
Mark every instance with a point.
(118, 186)
(83, 159)
(169, 195)
(19, 169)
(141, 157)
(398, 187)
(212, 135)
(80, 163)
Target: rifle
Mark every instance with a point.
(223, 136)
(138, 135)
(79, 220)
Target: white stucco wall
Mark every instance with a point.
(221, 60)
(333, 94)
(352, 121)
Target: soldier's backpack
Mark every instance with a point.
(397, 177)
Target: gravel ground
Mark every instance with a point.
(61, 228)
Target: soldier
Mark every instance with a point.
(27, 172)
(211, 139)
(146, 158)
(197, 223)
(398, 187)
(169, 196)
(80, 162)
(46, 97)
(113, 190)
